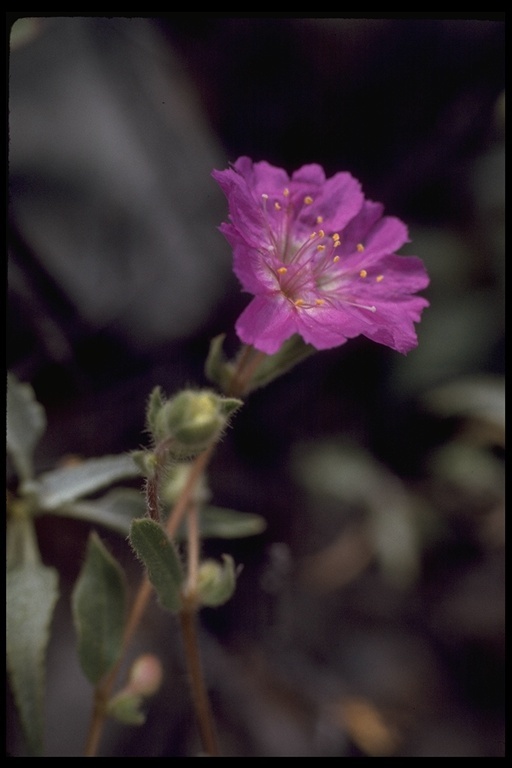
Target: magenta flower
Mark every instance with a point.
(319, 259)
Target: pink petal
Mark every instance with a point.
(266, 323)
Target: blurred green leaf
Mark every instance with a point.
(115, 510)
(26, 423)
(481, 398)
(463, 468)
(153, 547)
(99, 604)
(66, 484)
(350, 475)
(223, 523)
(31, 592)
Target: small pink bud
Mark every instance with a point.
(146, 675)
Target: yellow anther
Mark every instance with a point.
(320, 247)
(360, 247)
(319, 219)
(336, 259)
(336, 243)
(282, 270)
(286, 191)
(321, 233)
(308, 200)
(336, 237)
(319, 302)
(363, 273)
(277, 206)
(312, 235)
(299, 302)
(379, 278)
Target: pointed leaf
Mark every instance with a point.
(153, 547)
(217, 369)
(70, 483)
(155, 404)
(115, 510)
(26, 423)
(32, 591)
(99, 604)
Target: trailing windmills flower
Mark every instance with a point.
(319, 259)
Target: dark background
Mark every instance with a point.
(117, 280)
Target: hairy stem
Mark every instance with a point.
(248, 362)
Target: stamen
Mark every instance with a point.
(320, 247)
(336, 237)
(379, 278)
(362, 306)
(336, 259)
(321, 233)
(319, 219)
(271, 235)
(360, 247)
(277, 206)
(319, 302)
(298, 302)
(363, 273)
(286, 191)
(308, 200)
(282, 270)
(336, 243)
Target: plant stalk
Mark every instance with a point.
(247, 364)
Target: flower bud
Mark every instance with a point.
(193, 419)
(126, 708)
(216, 582)
(146, 675)
(145, 678)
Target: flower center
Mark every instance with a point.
(307, 271)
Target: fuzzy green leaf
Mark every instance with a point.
(114, 510)
(32, 591)
(153, 547)
(99, 604)
(26, 423)
(69, 483)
